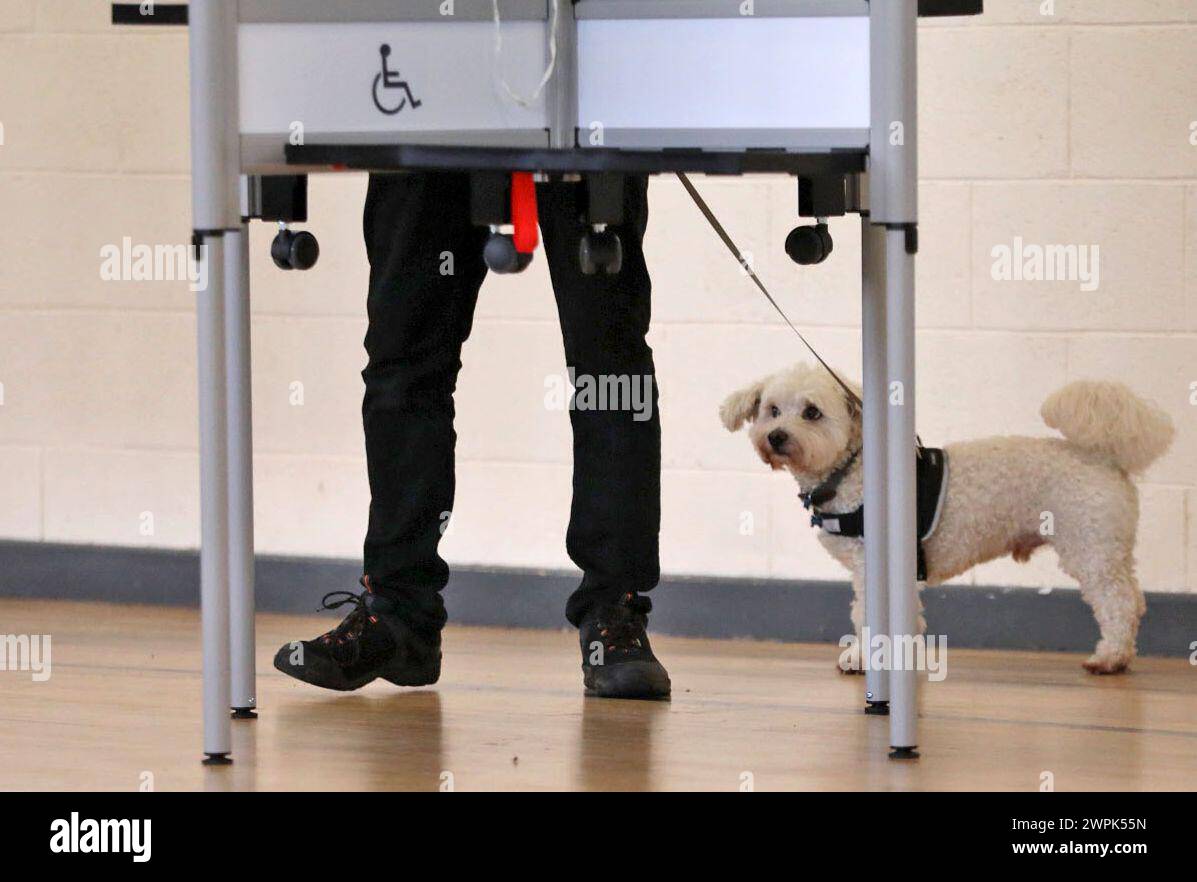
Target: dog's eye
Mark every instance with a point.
(812, 413)
(774, 411)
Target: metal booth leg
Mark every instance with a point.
(876, 381)
(215, 166)
(241, 474)
(900, 524)
(893, 209)
(214, 537)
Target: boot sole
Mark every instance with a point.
(301, 674)
(425, 676)
(638, 680)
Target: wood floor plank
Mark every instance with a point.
(123, 703)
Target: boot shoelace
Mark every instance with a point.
(351, 628)
(621, 633)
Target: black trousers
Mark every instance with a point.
(425, 271)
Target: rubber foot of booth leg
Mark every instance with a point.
(904, 753)
(877, 708)
(244, 713)
(217, 759)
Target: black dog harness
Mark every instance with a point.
(931, 481)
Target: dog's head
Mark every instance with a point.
(801, 420)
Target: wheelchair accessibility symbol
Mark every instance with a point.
(388, 79)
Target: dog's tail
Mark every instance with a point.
(1108, 418)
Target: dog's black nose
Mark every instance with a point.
(778, 439)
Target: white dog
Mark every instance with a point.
(1004, 495)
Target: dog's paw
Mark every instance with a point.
(1106, 664)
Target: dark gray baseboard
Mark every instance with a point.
(762, 609)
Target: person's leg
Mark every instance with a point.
(616, 515)
(615, 519)
(425, 271)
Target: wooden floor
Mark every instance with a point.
(509, 713)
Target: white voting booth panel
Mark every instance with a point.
(782, 83)
(787, 83)
(811, 87)
(325, 82)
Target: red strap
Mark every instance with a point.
(523, 212)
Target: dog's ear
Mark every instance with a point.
(741, 406)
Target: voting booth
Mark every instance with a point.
(515, 91)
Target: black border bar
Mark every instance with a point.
(164, 14)
(937, 8)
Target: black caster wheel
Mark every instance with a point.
(600, 250)
(501, 257)
(292, 250)
(808, 246)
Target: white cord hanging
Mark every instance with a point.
(501, 80)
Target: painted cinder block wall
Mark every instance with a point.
(1054, 123)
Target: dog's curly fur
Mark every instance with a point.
(1003, 493)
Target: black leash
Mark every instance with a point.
(743, 261)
